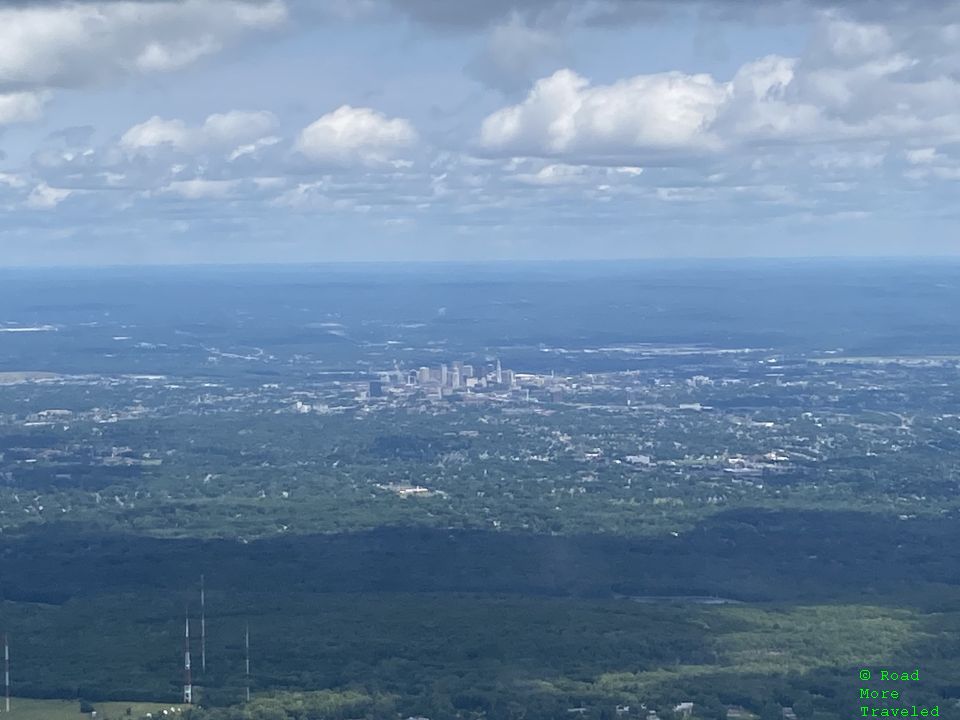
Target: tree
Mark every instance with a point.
(771, 711)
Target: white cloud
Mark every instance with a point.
(21, 106)
(846, 160)
(44, 197)
(252, 148)
(779, 135)
(855, 41)
(561, 174)
(155, 132)
(77, 44)
(760, 105)
(565, 114)
(236, 129)
(923, 156)
(928, 163)
(162, 57)
(74, 44)
(12, 180)
(351, 135)
(269, 183)
(856, 83)
(237, 126)
(202, 189)
(554, 174)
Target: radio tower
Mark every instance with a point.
(203, 627)
(246, 646)
(6, 668)
(187, 682)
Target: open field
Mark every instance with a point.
(25, 709)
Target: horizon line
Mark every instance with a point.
(496, 262)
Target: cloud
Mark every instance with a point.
(761, 105)
(352, 154)
(351, 135)
(564, 114)
(46, 46)
(156, 132)
(474, 15)
(173, 55)
(202, 189)
(254, 147)
(855, 42)
(842, 161)
(12, 180)
(851, 127)
(446, 14)
(554, 174)
(560, 174)
(467, 14)
(237, 126)
(235, 129)
(923, 156)
(44, 197)
(858, 82)
(21, 107)
(516, 54)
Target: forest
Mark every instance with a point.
(445, 624)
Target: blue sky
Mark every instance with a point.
(218, 131)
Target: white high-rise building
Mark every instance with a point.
(455, 377)
(443, 374)
(499, 373)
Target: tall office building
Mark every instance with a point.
(499, 373)
(455, 377)
(443, 374)
(423, 375)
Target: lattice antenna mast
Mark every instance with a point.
(187, 679)
(6, 669)
(203, 626)
(246, 646)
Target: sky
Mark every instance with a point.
(264, 131)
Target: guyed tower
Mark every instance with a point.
(187, 680)
(246, 645)
(203, 626)
(6, 669)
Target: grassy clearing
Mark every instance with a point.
(24, 709)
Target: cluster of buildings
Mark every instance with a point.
(444, 380)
